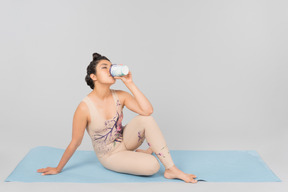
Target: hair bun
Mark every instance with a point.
(96, 56)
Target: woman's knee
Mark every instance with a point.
(145, 119)
(153, 167)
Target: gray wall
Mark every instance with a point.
(214, 71)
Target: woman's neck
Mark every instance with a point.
(101, 92)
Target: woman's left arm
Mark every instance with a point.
(139, 99)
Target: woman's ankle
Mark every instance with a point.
(173, 167)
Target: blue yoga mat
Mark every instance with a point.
(84, 167)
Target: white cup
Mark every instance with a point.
(119, 70)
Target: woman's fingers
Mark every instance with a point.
(48, 171)
(117, 77)
(43, 169)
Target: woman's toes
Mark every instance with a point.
(193, 176)
(194, 181)
(190, 179)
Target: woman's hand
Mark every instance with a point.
(48, 171)
(126, 79)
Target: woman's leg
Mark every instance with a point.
(128, 161)
(141, 127)
(132, 162)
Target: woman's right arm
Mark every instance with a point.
(80, 120)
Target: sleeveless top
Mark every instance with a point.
(106, 135)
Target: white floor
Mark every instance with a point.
(9, 161)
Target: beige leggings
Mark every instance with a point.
(125, 160)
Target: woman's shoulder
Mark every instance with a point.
(83, 105)
(121, 95)
(82, 110)
(118, 91)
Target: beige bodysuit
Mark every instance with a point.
(114, 144)
(106, 135)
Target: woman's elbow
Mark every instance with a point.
(149, 113)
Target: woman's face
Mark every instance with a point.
(102, 72)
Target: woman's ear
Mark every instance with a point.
(93, 77)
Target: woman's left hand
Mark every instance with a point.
(126, 78)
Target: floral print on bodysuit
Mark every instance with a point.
(107, 138)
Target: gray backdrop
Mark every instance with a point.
(214, 71)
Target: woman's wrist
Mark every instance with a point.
(129, 83)
(58, 169)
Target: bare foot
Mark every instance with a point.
(148, 151)
(174, 172)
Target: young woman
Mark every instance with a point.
(113, 143)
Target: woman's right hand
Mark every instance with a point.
(48, 171)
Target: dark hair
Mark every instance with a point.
(92, 68)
